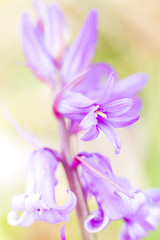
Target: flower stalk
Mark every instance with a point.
(73, 179)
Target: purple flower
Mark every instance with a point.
(45, 44)
(115, 197)
(38, 202)
(145, 219)
(100, 102)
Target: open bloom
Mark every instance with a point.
(38, 202)
(115, 197)
(46, 47)
(101, 102)
(145, 219)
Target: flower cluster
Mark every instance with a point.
(92, 99)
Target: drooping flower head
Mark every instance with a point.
(101, 102)
(38, 202)
(46, 48)
(114, 195)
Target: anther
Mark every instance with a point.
(102, 114)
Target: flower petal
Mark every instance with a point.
(70, 203)
(118, 107)
(26, 219)
(122, 121)
(92, 133)
(111, 134)
(132, 204)
(54, 28)
(40, 170)
(98, 82)
(96, 222)
(131, 85)
(134, 232)
(89, 120)
(112, 204)
(52, 216)
(37, 58)
(108, 89)
(71, 112)
(153, 195)
(144, 218)
(18, 202)
(80, 54)
(77, 99)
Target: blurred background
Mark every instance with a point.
(129, 40)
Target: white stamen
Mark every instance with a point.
(102, 114)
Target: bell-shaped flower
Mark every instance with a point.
(46, 48)
(145, 219)
(97, 103)
(38, 202)
(115, 197)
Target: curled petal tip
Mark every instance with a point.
(25, 220)
(70, 203)
(96, 222)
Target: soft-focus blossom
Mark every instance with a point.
(46, 48)
(101, 102)
(38, 202)
(115, 197)
(145, 219)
